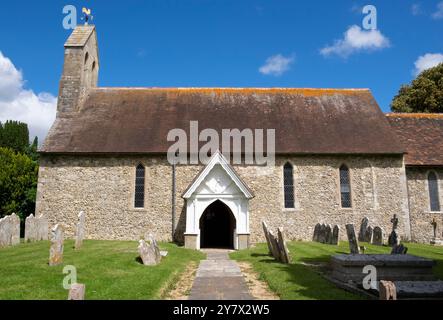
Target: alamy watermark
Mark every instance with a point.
(242, 147)
(71, 277)
(71, 18)
(370, 20)
(370, 280)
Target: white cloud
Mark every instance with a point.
(439, 13)
(355, 40)
(427, 61)
(416, 9)
(276, 65)
(18, 103)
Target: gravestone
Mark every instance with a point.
(394, 237)
(77, 292)
(399, 267)
(387, 290)
(42, 227)
(353, 242)
(364, 225)
(284, 252)
(56, 250)
(266, 232)
(149, 251)
(156, 249)
(316, 232)
(436, 240)
(5, 231)
(30, 229)
(399, 249)
(328, 234)
(434, 227)
(377, 238)
(80, 232)
(335, 235)
(368, 234)
(322, 233)
(275, 247)
(15, 229)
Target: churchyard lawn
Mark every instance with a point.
(301, 278)
(109, 269)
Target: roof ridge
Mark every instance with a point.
(307, 92)
(234, 88)
(415, 115)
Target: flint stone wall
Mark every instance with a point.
(103, 187)
(421, 215)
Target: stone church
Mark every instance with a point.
(338, 159)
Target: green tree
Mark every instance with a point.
(31, 150)
(424, 94)
(14, 135)
(18, 183)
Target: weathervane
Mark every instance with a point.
(87, 15)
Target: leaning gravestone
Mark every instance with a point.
(284, 252)
(377, 238)
(15, 229)
(274, 244)
(5, 231)
(147, 253)
(363, 227)
(266, 232)
(353, 242)
(30, 229)
(80, 232)
(155, 248)
(335, 235)
(42, 227)
(56, 250)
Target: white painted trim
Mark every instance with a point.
(218, 158)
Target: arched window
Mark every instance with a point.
(86, 58)
(288, 182)
(139, 195)
(433, 192)
(345, 187)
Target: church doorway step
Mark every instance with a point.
(217, 227)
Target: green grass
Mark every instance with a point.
(109, 269)
(301, 280)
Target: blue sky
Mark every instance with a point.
(209, 43)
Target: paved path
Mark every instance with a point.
(219, 278)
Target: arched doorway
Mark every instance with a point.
(217, 225)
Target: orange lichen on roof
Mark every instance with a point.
(307, 92)
(416, 115)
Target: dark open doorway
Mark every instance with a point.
(217, 225)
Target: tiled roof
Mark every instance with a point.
(422, 135)
(306, 121)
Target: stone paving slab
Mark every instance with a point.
(219, 278)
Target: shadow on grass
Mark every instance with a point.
(138, 260)
(306, 282)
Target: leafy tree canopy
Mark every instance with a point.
(18, 183)
(14, 135)
(423, 95)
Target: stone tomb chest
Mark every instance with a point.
(401, 267)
